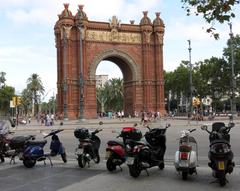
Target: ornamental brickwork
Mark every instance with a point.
(136, 48)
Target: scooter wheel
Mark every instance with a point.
(222, 181)
(184, 175)
(2, 159)
(64, 157)
(110, 165)
(161, 166)
(134, 169)
(29, 163)
(81, 161)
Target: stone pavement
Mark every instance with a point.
(72, 124)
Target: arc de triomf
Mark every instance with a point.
(136, 49)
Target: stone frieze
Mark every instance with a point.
(113, 36)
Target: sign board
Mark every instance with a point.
(11, 104)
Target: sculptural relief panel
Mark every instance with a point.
(113, 36)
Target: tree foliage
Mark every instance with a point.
(6, 94)
(212, 11)
(211, 77)
(35, 86)
(26, 100)
(110, 95)
(2, 79)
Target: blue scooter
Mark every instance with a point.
(34, 151)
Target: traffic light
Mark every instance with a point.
(14, 99)
(19, 100)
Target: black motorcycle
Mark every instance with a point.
(10, 147)
(220, 153)
(88, 148)
(142, 156)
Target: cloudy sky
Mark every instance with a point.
(27, 36)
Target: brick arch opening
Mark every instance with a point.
(129, 69)
(127, 65)
(136, 48)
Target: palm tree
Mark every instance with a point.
(101, 97)
(110, 95)
(34, 84)
(115, 91)
(2, 79)
(26, 100)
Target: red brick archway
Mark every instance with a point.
(137, 50)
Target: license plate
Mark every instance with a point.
(108, 153)
(221, 165)
(130, 160)
(183, 163)
(79, 151)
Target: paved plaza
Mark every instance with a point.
(69, 177)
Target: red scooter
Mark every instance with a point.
(115, 151)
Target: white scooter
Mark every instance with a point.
(186, 158)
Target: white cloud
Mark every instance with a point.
(45, 11)
(20, 62)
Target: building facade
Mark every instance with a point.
(136, 48)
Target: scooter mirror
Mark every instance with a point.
(135, 125)
(100, 123)
(204, 127)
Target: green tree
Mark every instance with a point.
(236, 54)
(235, 42)
(101, 98)
(115, 91)
(50, 106)
(6, 94)
(212, 11)
(110, 95)
(35, 85)
(177, 82)
(26, 101)
(2, 79)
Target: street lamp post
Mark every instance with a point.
(190, 76)
(233, 80)
(81, 80)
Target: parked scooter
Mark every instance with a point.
(11, 147)
(220, 154)
(186, 158)
(115, 151)
(88, 148)
(35, 152)
(142, 156)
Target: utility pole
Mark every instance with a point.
(190, 77)
(233, 80)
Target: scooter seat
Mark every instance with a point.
(37, 142)
(115, 143)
